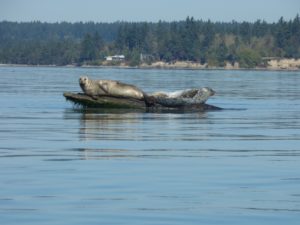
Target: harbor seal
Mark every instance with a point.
(196, 95)
(183, 98)
(94, 88)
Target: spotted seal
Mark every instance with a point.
(185, 97)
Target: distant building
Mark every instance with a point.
(115, 58)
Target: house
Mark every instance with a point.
(115, 58)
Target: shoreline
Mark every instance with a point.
(273, 65)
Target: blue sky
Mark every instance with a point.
(146, 10)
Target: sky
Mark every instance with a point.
(147, 10)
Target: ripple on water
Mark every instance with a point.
(236, 166)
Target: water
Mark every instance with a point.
(60, 165)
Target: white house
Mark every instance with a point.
(115, 58)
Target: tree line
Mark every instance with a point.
(214, 43)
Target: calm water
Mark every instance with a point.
(60, 165)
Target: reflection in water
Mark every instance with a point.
(150, 135)
(136, 135)
(133, 126)
(99, 154)
(107, 126)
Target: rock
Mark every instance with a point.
(109, 102)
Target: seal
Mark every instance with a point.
(183, 98)
(94, 88)
(197, 95)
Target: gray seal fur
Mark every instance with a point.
(183, 98)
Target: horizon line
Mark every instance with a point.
(145, 21)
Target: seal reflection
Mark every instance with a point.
(109, 126)
(103, 154)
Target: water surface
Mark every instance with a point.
(64, 165)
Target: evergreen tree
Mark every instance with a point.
(191, 40)
(222, 53)
(90, 47)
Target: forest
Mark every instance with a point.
(213, 43)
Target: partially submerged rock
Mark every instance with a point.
(110, 102)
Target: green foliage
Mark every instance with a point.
(53, 52)
(90, 47)
(134, 58)
(248, 58)
(222, 54)
(189, 40)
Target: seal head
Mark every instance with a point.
(90, 87)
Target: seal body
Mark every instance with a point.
(183, 98)
(119, 89)
(189, 95)
(113, 88)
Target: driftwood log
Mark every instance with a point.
(109, 102)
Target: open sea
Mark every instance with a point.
(60, 164)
